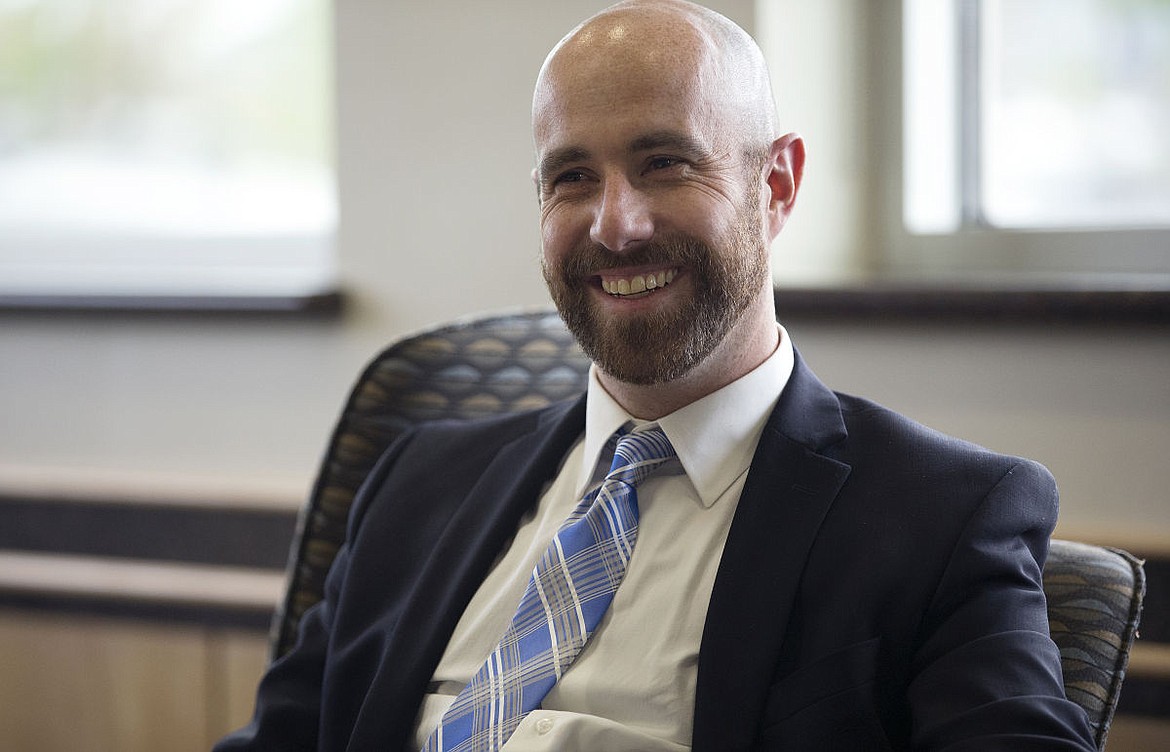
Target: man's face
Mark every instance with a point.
(651, 217)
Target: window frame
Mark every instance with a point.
(1081, 257)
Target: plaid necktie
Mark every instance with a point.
(571, 588)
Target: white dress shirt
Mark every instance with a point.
(633, 685)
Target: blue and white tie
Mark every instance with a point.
(571, 588)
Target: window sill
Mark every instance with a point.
(326, 304)
(885, 301)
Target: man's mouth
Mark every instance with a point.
(637, 283)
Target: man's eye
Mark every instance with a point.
(663, 163)
(572, 176)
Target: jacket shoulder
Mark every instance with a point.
(903, 444)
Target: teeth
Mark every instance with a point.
(638, 283)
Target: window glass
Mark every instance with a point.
(930, 122)
(165, 145)
(1036, 114)
(1075, 112)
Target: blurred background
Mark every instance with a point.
(213, 213)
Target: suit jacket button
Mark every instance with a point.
(544, 725)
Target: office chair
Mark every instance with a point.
(1094, 603)
(505, 363)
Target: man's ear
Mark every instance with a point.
(785, 171)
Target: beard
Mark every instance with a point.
(665, 345)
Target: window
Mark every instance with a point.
(153, 147)
(1043, 89)
(1034, 135)
(990, 141)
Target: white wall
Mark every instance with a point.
(438, 219)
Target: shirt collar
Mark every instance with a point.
(715, 437)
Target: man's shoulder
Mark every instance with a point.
(904, 445)
(866, 419)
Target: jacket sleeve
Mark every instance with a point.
(986, 674)
(287, 714)
(288, 700)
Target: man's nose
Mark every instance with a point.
(623, 218)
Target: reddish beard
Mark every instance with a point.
(664, 345)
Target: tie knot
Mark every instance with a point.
(638, 454)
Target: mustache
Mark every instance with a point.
(591, 258)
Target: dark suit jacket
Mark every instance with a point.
(880, 589)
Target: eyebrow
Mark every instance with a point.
(681, 142)
(557, 159)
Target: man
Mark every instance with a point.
(822, 574)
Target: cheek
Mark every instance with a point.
(560, 230)
(705, 214)
(551, 244)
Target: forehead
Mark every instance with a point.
(585, 100)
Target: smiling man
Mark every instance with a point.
(662, 184)
(710, 549)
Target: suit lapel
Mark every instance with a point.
(510, 486)
(789, 490)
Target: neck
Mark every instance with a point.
(746, 346)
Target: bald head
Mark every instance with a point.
(667, 43)
(662, 182)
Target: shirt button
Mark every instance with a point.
(544, 725)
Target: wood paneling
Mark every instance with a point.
(1138, 734)
(236, 662)
(81, 684)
